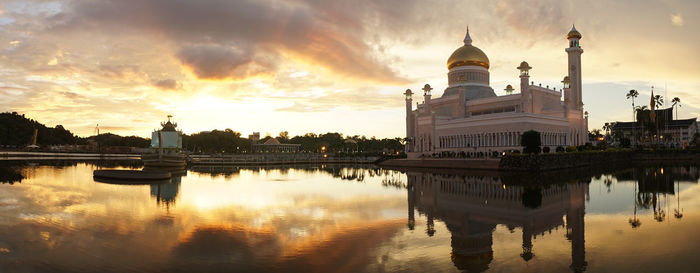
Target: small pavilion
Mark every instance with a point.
(272, 145)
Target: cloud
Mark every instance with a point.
(677, 19)
(168, 84)
(222, 62)
(214, 32)
(541, 18)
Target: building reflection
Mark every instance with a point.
(166, 193)
(654, 185)
(472, 206)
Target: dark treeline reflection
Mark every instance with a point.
(10, 175)
(14, 171)
(345, 172)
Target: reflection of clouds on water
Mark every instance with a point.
(65, 221)
(328, 221)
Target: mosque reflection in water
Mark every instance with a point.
(472, 206)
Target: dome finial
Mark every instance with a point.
(467, 38)
(573, 33)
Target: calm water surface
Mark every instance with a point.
(349, 219)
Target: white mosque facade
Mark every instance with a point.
(469, 117)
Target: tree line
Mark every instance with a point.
(229, 141)
(18, 131)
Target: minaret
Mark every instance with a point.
(428, 110)
(525, 96)
(568, 100)
(574, 51)
(426, 97)
(409, 121)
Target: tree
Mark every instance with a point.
(283, 137)
(607, 128)
(531, 141)
(658, 101)
(632, 94)
(676, 103)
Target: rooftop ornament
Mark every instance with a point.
(566, 82)
(509, 89)
(524, 69)
(427, 89)
(408, 94)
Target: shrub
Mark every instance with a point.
(601, 145)
(545, 150)
(531, 141)
(625, 142)
(571, 149)
(560, 149)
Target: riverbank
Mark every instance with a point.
(276, 159)
(444, 163)
(550, 161)
(25, 155)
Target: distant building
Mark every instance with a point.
(272, 145)
(167, 137)
(677, 133)
(469, 117)
(254, 137)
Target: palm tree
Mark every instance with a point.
(631, 95)
(607, 128)
(658, 101)
(643, 115)
(676, 101)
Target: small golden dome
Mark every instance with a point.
(573, 33)
(468, 55)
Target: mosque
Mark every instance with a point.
(469, 117)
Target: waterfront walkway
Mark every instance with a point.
(24, 155)
(447, 163)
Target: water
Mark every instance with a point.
(349, 219)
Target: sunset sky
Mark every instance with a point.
(322, 66)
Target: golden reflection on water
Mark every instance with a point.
(274, 215)
(338, 219)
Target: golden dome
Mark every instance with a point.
(468, 55)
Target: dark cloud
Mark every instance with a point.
(238, 31)
(118, 71)
(540, 19)
(221, 62)
(168, 84)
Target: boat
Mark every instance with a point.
(131, 177)
(166, 148)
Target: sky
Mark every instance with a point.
(322, 66)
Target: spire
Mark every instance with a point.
(651, 100)
(467, 38)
